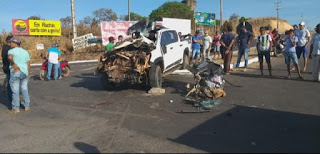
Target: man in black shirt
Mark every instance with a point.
(6, 64)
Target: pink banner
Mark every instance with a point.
(114, 29)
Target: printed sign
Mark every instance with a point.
(82, 41)
(36, 27)
(203, 18)
(20, 27)
(114, 29)
(45, 27)
(40, 47)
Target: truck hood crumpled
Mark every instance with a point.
(137, 43)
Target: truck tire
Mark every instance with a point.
(155, 76)
(186, 61)
(105, 82)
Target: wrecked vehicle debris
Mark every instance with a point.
(152, 53)
(209, 81)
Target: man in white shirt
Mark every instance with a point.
(53, 55)
(315, 54)
(303, 36)
(207, 42)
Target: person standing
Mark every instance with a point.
(207, 42)
(196, 40)
(303, 36)
(244, 40)
(19, 72)
(295, 27)
(315, 54)
(111, 44)
(290, 52)
(120, 39)
(6, 69)
(264, 45)
(53, 55)
(227, 42)
(217, 44)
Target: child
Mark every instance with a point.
(290, 52)
(264, 46)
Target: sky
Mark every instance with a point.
(290, 10)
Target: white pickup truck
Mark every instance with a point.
(145, 59)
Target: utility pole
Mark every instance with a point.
(129, 12)
(301, 17)
(278, 10)
(221, 14)
(74, 24)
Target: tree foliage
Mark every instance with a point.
(105, 15)
(172, 10)
(234, 17)
(66, 22)
(34, 18)
(133, 17)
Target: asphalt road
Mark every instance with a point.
(75, 114)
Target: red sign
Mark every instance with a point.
(20, 27)
(114, 29)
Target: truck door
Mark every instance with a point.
(171, 49)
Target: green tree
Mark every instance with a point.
(105, 15)
(34, 18)
(133, 17)
(234, 17)
(172, 10)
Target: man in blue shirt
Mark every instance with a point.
(290, 53)
(196, 40)
(227, 41)
(53, 55)
(19, 71)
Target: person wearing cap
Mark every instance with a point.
(207, 41)
(5, 62)
(111, 44)
(227, 41)
(196, 47)
(303, 36)
(53, 56)
(19, 72)
(315, 54)
(244, 40)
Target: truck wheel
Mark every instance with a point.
(43, 74)
(186, 61)
(155, 76)
(105, 82)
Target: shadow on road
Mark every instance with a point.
(245, 129)
(86, 148)
(94, 83)
(179, 87)
(4, 99)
